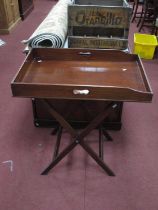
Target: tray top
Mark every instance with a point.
(104, 69)
(95, 73)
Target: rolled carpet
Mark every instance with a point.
(53, 29)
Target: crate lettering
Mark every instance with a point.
(108, 18)
(82, 42)
(99, 26)
(99, 16)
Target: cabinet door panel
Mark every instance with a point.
(9, 15)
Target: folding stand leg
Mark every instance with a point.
(102, 132)
(107, 135)
(57, 127)
(78, 138)
(100, 143)
(55, 130)
(59, 158)
(97, 159)
(57, 145)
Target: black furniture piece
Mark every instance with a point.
(146, 12)
(137, 9)
(148, 15)
(25, 7)
(78, 119)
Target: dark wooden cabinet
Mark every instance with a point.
(82, 113)
(25, 7)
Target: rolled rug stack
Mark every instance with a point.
(53, 29)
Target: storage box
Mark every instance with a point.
(144, 45)
(78, 118)
(99, 24)
(101, 2)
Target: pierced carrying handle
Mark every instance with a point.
(80, 92)
(85, 53)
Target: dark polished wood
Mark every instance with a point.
(82, 112)
(57, 145)
(78, 137)
(82, 74)
(101, 143)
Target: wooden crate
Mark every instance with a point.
(101, 2)
(105, 25)
(97, 42)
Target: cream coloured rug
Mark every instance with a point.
(52, 31)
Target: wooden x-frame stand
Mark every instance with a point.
(78, 138)
(81, 75)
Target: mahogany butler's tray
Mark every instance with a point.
(82, 74)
